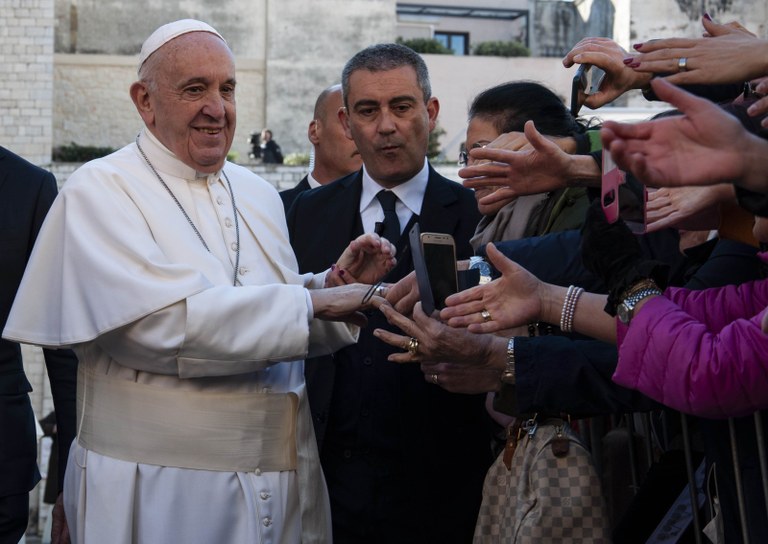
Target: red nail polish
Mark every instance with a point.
(628, 60)
(341, 272)
(707, 16)
(634, 65)
(637, 46)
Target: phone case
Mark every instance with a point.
(420, 266)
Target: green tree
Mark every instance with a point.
(425, 45)
(500, 48)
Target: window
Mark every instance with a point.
(457, 41)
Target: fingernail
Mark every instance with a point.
(628, 60)
(634, 65)
(341, 272)
(637, 46)
(707, 16)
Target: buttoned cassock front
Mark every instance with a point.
(120, 275)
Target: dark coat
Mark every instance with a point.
(429, 488)
(26, 193)
(289, 195)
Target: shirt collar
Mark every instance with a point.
(166, 162)
(313, 183)
(410, 193)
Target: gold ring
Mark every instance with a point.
(435, 379)
(486, 315)
(682, 64)
(413, 346)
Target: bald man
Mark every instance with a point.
(335, 154)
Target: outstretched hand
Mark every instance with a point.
(366, 259)
(540, 168)
(687, 208)
(344, 303)
(609, 56)
(702, 147)
(730, 54)
(455, 359)
(512, 300)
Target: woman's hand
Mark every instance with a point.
(730, 55)
(344, 303)
(512, 300)
(609, 56)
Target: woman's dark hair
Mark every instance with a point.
(509, 105)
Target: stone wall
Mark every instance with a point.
(26, 77)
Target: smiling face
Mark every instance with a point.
(481, 132)
(187, 99)
(387, 118)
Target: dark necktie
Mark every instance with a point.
(391, 232)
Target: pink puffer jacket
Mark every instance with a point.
(700, 352)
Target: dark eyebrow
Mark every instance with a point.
(365, 102)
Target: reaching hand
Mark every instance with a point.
(510, 301)
(59, 527)
(731, 55)
(704, 146)
(454, 359)
(366, 260)
(541, 168)
(343, 303)
(760, 107)
(404, 294)
(687, 208)
(609, 56)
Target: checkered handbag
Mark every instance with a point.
(551, 493)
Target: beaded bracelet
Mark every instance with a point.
(569, 308)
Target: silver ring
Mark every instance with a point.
(380, 291)
(682, 64)
(413, 346)
(435, 379)
(486, 315)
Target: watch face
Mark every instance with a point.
(623, 312)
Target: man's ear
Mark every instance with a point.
(140, 97)
(313, 132)
(344, 118)
(433, 108)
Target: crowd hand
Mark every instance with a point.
(687, 208)
(454, 359)
(344, 303)
(512, 300)
(704, 146)
(404, 294)
(760, 107)
(366, 260)
(539, 169)
(59, 527)
(730, 54)
(609, 56)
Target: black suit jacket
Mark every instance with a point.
(289, 195)
(443, 437)
(26, 193)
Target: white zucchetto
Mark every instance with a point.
(169, 31)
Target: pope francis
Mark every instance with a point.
(168, 270)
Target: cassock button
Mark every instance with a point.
(228, 223)
(264, 495)
(234, 246)
(243, 271)
(257, 472)
(220, 200)
(267, 522)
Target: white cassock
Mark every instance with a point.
(174, 360)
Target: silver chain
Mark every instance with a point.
(189, 219)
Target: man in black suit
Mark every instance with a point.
(403, 459)
(26, 193)
(335, 154)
